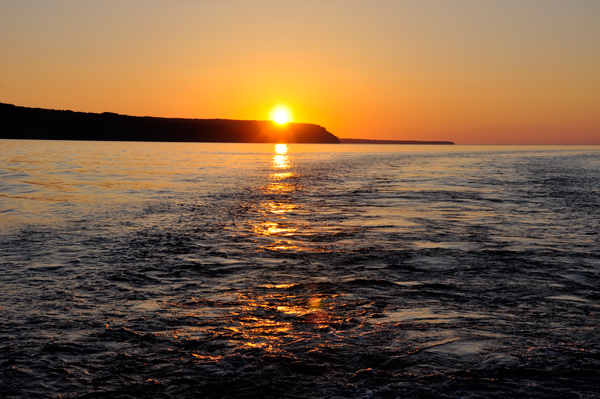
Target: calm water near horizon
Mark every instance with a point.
(204, 270)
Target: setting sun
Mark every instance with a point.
(281, 115)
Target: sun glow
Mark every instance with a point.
(281, 115)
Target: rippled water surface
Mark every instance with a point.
(183, 270)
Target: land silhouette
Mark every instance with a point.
(46, 124)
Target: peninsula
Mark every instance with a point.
(46, 124)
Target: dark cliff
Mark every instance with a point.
(45, 124)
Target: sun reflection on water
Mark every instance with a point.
(273, 316)
(281, 160)
(271, 320)
(279, 208)
(280, 176)
(281, 148)
(273, 229)
(275, 220)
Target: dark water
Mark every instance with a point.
(232, 271)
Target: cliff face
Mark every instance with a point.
(44, 124)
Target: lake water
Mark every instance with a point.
(180, 270)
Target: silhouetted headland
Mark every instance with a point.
(367, 141)
(46, 124)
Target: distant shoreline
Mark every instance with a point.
(368, 141)
(48, 124)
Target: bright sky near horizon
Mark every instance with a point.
(469, 71)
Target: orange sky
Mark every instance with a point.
(473, 72)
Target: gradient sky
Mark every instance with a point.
(474, 72)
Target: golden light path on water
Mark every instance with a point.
(278, 189)
(282, 311)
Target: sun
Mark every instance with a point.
(281, 115)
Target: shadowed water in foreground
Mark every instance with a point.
(215, 270)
